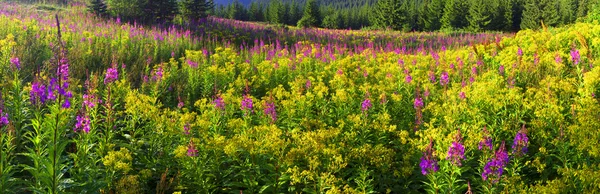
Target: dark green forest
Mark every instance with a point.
(416, 15)
(403, 15)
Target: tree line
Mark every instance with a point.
(414, 15)
(405, 15)
(152, 11)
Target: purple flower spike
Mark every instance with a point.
(486, 142)
(247, 105)
(432, 77)
(3, 119)
(219, 103)
(494, 168)
(366, 105)
(418, 103)
(520, 52)
(111, 75)
(456, 151)
(428, 162)
(83, 124)
(444, 78)
(575, 57)
(462, 95)
(186, 129)
(16, 62)
(520, 142)
(270, 111)
(192, 152)
(408, 78)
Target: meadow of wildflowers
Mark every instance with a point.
(101, 106)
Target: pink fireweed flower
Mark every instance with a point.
(219, 103)
(444, 78)
(418, 103)
(186, 129)
(340, 72)
(158, 74)
(270, 111)
(520, 142)
(428, 162)
(486, 142)
(432, 77)
(111, 75)
(3, 119)
(462, 95)
(558, 59)
(247, 105)
(575, 57)
(308, 84)
(83, 124)
(16, 62)
(38, 93)
(456, 151)
(520, 52)
(192, 152)
(501, 70)
(408, 78)
(366, 105)
(192, 64)
(494, 168)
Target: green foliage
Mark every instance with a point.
(126, 9)
(538, 11)
(97, 7)
(193, 10)
(312, 15)
(389, 14)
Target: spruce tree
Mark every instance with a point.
(97, 7)
(388, 14)
(537, 11)
(312, 15)
(433, 15)
(160, 10)
(194, 10)
(479, 16)
(449, 15)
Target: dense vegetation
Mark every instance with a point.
(419, 15)
(97, 105)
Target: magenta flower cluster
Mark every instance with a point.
(219, 103)
(456, 151)
(444, 79)
(247, 105)
(3, 119)
(112, 75)
(575, 57)
(428, 162)
(366, 105)
(16, 62)
(520, 142)
(494, 168)
(418, 102)
(83, 124)
(270, 111)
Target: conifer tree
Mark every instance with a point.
(479, 16)
(98, 7)
(312, 15)
(195, 9)
(537, 11)
(388, 14)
